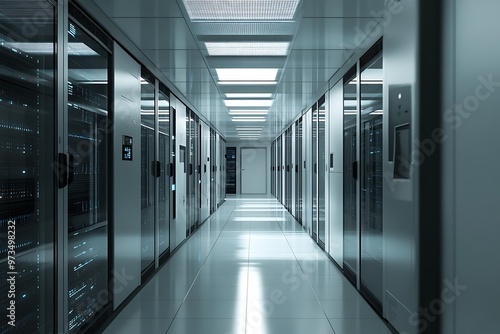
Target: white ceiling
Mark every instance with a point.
(323, 35)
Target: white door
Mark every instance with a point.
(253, 170)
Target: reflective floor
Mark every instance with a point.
(250, 269)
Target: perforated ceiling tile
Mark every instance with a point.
(245, 28)
(247, 48)
(241, 10)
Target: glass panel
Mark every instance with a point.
(164, 179)
(212, 171)
(147, 173)
(197, 170)
(27, 110)
(300, 169)
(321, 171)
(88, 194)
(371, 176)
(289, 170)
(191, 175)
(315, 171)
(351, 243)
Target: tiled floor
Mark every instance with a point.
(250, 269)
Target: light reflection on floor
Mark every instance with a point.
(250, 269)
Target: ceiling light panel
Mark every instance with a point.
(248, 95)
(247, 48)
(245, 28)
(248, 103)
(248, 112)
(242, 10)
(254, 128)
(247, 82)
(247, 74)
(248, 119)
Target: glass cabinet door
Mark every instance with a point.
(351, 242)
(88, 92)
(314, 173)
(147, 174)
(164, 179)
(27, 178)
(321, 172)
(371, 178)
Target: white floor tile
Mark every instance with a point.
(250, 269)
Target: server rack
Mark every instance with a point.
(88, 114)
(231, 170)
(147, 173)
(27, 156)
(164, 125)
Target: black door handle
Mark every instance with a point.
(71, 169)
(62, 170)
(355, 170)
(171, 169)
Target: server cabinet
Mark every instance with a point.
(231, 170)
(289, 169)
(307, 172)
(351, 238)
(273, 158)
(27, 165)
(314, 198)
(293, 159)
(299, 169)
(190, 175)
(205, 173)
(148, 171)
(371, 176)
(322, 167)
(335, 186)
(178, 223)
(164, 187)
(88, 111)
(197, 170)
(213, 172)
(283, 169)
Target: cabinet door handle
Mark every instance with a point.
(62, 170)
(71, 168)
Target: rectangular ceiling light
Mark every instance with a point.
(248, 103)
(242, 10)
(247, 82)
(248, 119)
(248, 95)
(247, 48)
(248, 112)
(247, 74)
(249, 128)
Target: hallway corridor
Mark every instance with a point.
(249, 269)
